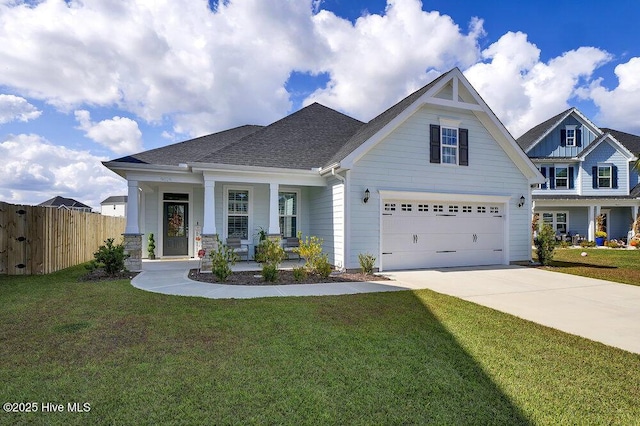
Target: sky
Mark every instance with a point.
(84, 81)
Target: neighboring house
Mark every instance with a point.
(589, 172)
(116, 205)
(434, 181)
(66, 203)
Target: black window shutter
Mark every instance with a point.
(434, 145)
(464, 147)
(563, 137)
(543, 170)
(594, 175)
(614, 177)
(552, 177)
(571, 184)
(578, 137)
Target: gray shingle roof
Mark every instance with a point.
(115, 199)
(635, 191)
(534, 133)
(59, 201)
(305, 139)
(631, 142)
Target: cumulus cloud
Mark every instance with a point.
(380, 59)
(524, 91)
(619, 108)
(35, 170)
(15, 108)
(120, 134)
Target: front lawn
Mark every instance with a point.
(616, 265)
(381, 358)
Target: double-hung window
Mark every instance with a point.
(288, 212)
(604, 176)
(562, 177)
(559, 221)
(571, 137)
(449, 145)
(238, 214)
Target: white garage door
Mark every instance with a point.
(422, 234)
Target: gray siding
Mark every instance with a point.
(401, 162)
(326, 219)
(605, 153)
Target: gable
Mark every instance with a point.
(553, 143)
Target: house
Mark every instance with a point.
(59, 202)
(116, 205)
(434, 181)
(589, 172)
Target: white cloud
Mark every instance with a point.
(380, 59)
(522, 90)
(620, 107)
(35, 170)
(120, 134)
(16, 108)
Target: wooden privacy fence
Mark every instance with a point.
(41, 240)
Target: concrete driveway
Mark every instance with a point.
(598, 310)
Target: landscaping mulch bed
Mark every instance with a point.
(284, 277)
(99, 275)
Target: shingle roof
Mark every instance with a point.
(115, 199)
(191, 150)
(59, 201)
(631, 142)
(536, 132)
(305, 139)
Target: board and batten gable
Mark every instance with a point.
(401, 162)
(551, 146)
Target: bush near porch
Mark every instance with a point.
(617, 265)
(380, 358)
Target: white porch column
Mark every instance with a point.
(274, 223)
(132, 209)
(592, 224)
(209, 225)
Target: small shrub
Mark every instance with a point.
(613, 244)
(221, 261)
(299, 273)
(564, 244)
(323, 267)
(587, 244)
(366, 262)
(270, 252)
(311, 250)
(269, 272)
(110, 257)
(151, 247)
(545, 244)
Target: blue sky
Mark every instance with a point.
(86, 81)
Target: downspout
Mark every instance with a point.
(345, 240)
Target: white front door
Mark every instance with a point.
(422, 234)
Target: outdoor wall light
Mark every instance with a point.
(366, 196)
(522, 200)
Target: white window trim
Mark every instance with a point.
(298, 216)
(555, 222)
(573, 139)
(457, 146)
(609, 166)
(555, 176)
(225, 212)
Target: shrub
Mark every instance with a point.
(299, 273)
(545, 244)
(564, 244)
(613, 244)
(151, 248)
(269, 272)
(323, 267)
(311, 250)
(221, 261)
(587, 244)
(366, 262)
(110, 257)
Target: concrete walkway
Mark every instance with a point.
(598, 310)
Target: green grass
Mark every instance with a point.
(621, 266)
(380, 358)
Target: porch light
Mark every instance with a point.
(366, 195)
(522, 200)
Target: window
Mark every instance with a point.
(423, 207)
(288, 212)
(449, 145)
(238, 214)
(571, 137)
(406, 207)
(389, 207)
(604, 176)
(467, 209)
(562, 177)
(438, 208)
(481, 209)
(559, 221)
(494, 210)
(453, 209)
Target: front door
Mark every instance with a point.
(175, 240)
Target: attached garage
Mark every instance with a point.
(423, 233)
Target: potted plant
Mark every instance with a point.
(151, 248)
(600, 237)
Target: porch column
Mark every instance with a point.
(634, 212)
(274, 223)
(209, 225)
(132, 209)
(592, 224)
